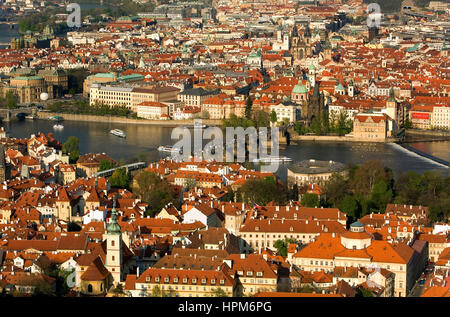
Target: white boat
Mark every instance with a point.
(58, 127)
(118, 133)
(280, 159)
(168, 148)
(30, 117)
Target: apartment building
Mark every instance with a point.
(253, 273)
(195, 96)
(357, 248)
(130, 97)
(263, 233)
(153, 110)
(440, 117)
(181, 283)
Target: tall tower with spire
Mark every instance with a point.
(113, 237)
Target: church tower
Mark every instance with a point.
(315, 104)
(391, 105)
(113, 238)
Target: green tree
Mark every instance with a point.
(248, 107)
(336, 188)
(262, 191)
(310, 200)
(381, 196)
(219, 292)
(105, 165)
(119, 178)
(363, 292)
(11, 100)
(43, 288)
(273, 116)
(349, 205)
(153, 190)
(283, 245)
(118, 290)
(367, 175)
(72, 147)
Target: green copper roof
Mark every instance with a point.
(131, 77)
(28, 78)
(300, 89)
(339, 87)
(113, 227)
(412, 49)
(104, 75)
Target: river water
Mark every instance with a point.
(141, 138)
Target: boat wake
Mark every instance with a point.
(412, 153)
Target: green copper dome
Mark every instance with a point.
(113, 227)
(300, 89)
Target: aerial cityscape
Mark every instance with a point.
(225, 148)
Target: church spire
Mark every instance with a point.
(113, 227)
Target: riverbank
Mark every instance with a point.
(112, 119)
(335, 138)
(416, 135)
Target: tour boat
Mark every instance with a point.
(56, 118)
(118, 133)
(169, 149)
(280, 159)
(58, 127)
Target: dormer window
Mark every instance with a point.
(157, 279)
(213, 281)
(166, 280)
(260, 274)
(147, 279)
(257, 228)
(204, 281)
(175, 279)
(291, 229)
(194, 280)
(222, 282)
(185, 280)
(249, 273)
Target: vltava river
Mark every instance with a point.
(95, 137)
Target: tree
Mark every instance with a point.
(157, 292)
(381, 195)
(283, 245)
(73, 226)
(119, 178)
(72, 147)
(349, 205)
(219, 292)
(310, 200)
(11, 100)
(248, 107)
(367, 175)
(153, 190)
(363, 292)
(43, 288)
(273, 116)
(262, 191)
(336, 188)
(105, 165)
(118, 290)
